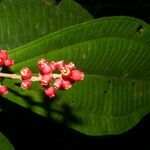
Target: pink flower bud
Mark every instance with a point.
(3, 90)
(25, 84)
(60, 65)
(58, 83)
(44, 66)
(53, 64)
(46, 69)
(66, 84)
(9, 62)
(50, 91)
(46, 79)
(1, 62)
(76, 75)
(71, 66)
(3, 54)
(26, 73)
(41, 61)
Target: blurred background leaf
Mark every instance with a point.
(5, 143)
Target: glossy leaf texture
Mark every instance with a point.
(5, 143)
(115, 94)
(23, 21)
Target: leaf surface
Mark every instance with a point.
(23, 21)
(115, 93)
(4, 143)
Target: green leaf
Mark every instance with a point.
(125, 27)
(115, 94)
(23, 21)
(4, 143)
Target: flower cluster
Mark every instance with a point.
(51, 81)
(5, 61)
(52, 75)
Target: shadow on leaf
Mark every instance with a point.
(62, 115)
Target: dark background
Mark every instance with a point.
(28, 131)
(101, 8)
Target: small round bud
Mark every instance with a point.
(53, 64)
(44, 66)
(26, 73)
(60, 65)
(46, 79)
(1, 62)
(66, 84)
(71, 66)
(41, 61)
(46, 69)
(50, 91)
(58, 83)
(76, 75)
(3, 54)
(3, 90)
(25, 84)
(8, 62)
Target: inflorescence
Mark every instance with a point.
(47, 76)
